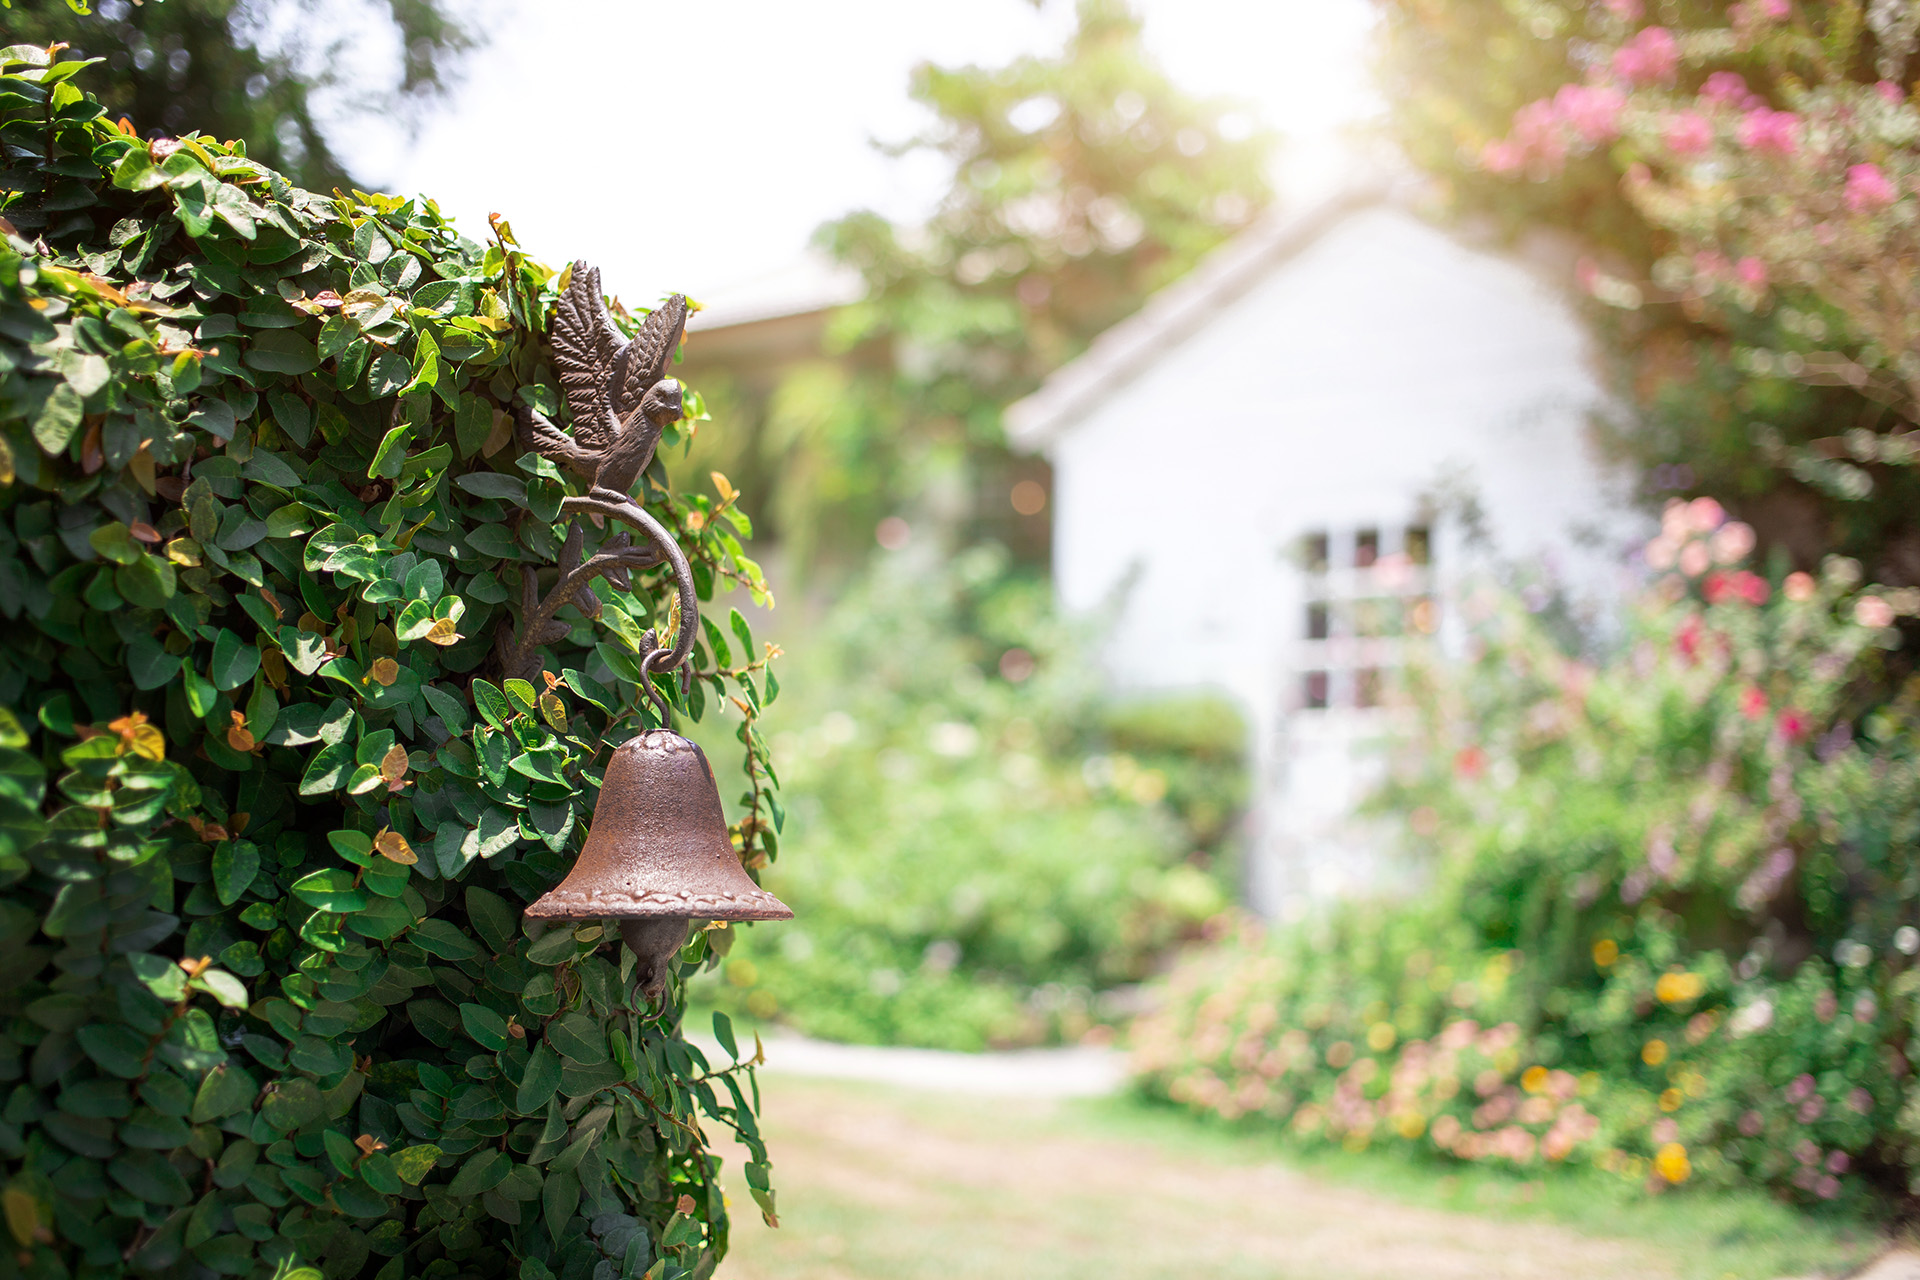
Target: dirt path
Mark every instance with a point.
(879, 1182)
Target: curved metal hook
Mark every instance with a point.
(606, 503)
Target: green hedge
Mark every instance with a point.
(270, 814)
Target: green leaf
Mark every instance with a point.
(496, 922)
(739, 625)
(539, 1080)
(487, 1028)
(115, 1047)
(151, 666)
(282, 351)
(492, 484)
(340, 1151)
(115, 542)
(439, 938)
(235, 863)
(451, 711)
(520, 692)
(492, 704)
(555, 946)
(234, 660)
(147, 1175)
(723, 1032)
(148, 582)
(392, 453)
(328, 769)
(415, 1163)
(481, 1173)
(577, 1037)
(226, 1089)
(59, 419)
(330, 889)
(559, 1199)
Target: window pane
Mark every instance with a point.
(1366, 687)
(1420, 544)
(1317, 620)
(1316, 689)
(1313, 552)
(1366, 548)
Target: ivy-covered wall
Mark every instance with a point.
(269, 811)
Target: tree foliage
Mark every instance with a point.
(239, 69)
(1081, 182)
(268, 812)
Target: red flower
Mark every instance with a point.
(1795, 725)
(1753, 704)
(1470, 763)
(1687, 639)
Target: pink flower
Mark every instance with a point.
(1775, 9)
(1891, 92)
(1705, 515)
(1502, 157)
(1592, 111)
(1651, 57)
(1765, 130)
(1536, 128)
(1625, 10)
(1868, 188)
(1753, 704)
(1794, 725)
(1727, 88)
(1751, 272)
(1689, 133)
(1872, 611)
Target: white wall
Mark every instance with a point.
(1382, 363)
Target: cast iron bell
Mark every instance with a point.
(658, 856)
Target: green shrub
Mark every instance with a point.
(1671, 927)
(270, 813)
(988, 842)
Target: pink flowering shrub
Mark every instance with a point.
(1807, 178)
(1668, 930)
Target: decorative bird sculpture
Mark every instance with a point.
(617, 390)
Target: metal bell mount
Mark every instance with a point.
(657, 855)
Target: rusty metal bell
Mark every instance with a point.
(658, 856)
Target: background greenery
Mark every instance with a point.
(983, 843)
(270, 815)
(1668, 927)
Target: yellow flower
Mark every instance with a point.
(1653, 1052)
(1380, 1037)
(1671, 1163)
(1534, 1079)
(1411, 1125)
(1670, 1099)
(1676, 988)
(1605, 952)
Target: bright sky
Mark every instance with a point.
(694, 146)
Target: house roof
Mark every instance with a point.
(1175, 313)
(809, 283)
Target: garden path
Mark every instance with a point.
(964, 1177)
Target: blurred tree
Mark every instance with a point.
(1478, 87)
(1081, 182)
(247, 68)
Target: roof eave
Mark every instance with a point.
(1175, 313)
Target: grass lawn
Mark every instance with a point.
(882, 1182)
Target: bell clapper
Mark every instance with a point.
(654, 941)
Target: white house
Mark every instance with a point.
(1283, 467)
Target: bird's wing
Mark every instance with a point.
(644, 361)
(550, 442)
(585, 349)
